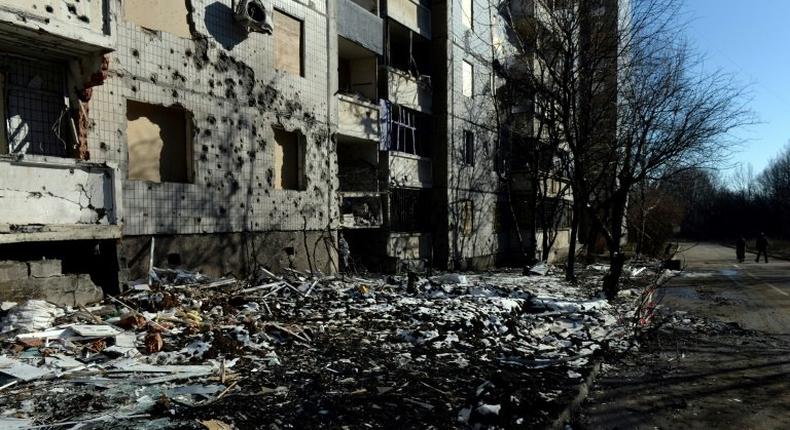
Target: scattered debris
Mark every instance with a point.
(307, 351)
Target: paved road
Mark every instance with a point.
(707, 378)
(755, 295)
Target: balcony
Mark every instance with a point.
(409, 246)
(37, 28)
(361, 210)
(409, 171)
(358, 22)
(408, 91)
(358, 118)
(50, 199)
(411, 14)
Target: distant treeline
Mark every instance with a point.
(744, 205)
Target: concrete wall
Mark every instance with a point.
(459, 184)
(360, 26)
(37, 190)
(87, 14)
(411, 14)
(236, 253)
(406, 91)
(409, 171)
(228, 81)
(357, 118)
(169, 16)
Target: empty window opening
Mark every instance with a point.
(36, 115)
(167, 16)
(356, 70)
(410, 210)
(467, 79)
(288, 42)
(408, 51)
(289, 152)
(469, 148)
(409, 131)
(159, 142)
(358, 165)
(467, 10)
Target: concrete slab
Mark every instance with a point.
(45, 268)
(12, 271)
(64, 290)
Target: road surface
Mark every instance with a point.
(724, 377)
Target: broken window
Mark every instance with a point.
(37, 118)
(288, 42)
(167, 16)
(410, 210)
(467, 79)
(408, 51)
(3, 139)
(357, 165)
(409, 131)
(159, 143)
(468, 14)
(469, 148)
(289, 151)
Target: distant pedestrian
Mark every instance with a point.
(762, 248)
(740, 249)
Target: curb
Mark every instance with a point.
(566, 416)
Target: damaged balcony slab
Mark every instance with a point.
(33, 32)
(47, 199)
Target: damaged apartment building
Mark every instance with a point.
(224, 135)
(416, 136)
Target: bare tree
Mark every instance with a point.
(614, 84)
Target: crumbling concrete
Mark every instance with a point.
(45, 268)
(12, 271)
(43, 279)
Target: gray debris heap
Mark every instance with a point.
(495, 350)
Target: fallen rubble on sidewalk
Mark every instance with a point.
(495, 350)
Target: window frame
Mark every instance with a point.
(464, 84)
(468, 150)
(301, 160)
(302, 62)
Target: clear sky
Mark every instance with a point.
(751, 40)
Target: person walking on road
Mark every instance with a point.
(740, 249)
(762, 248)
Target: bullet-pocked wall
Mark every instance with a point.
(194, 111)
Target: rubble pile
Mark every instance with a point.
(296, 351)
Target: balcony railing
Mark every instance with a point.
(47, 199)
(409, 171)
(358, 118)
(411, 14)
(63, 33)
(361, 210)
(360, 26)
(406, 90)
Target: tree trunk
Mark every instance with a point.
(611, 281)
(570, 267)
